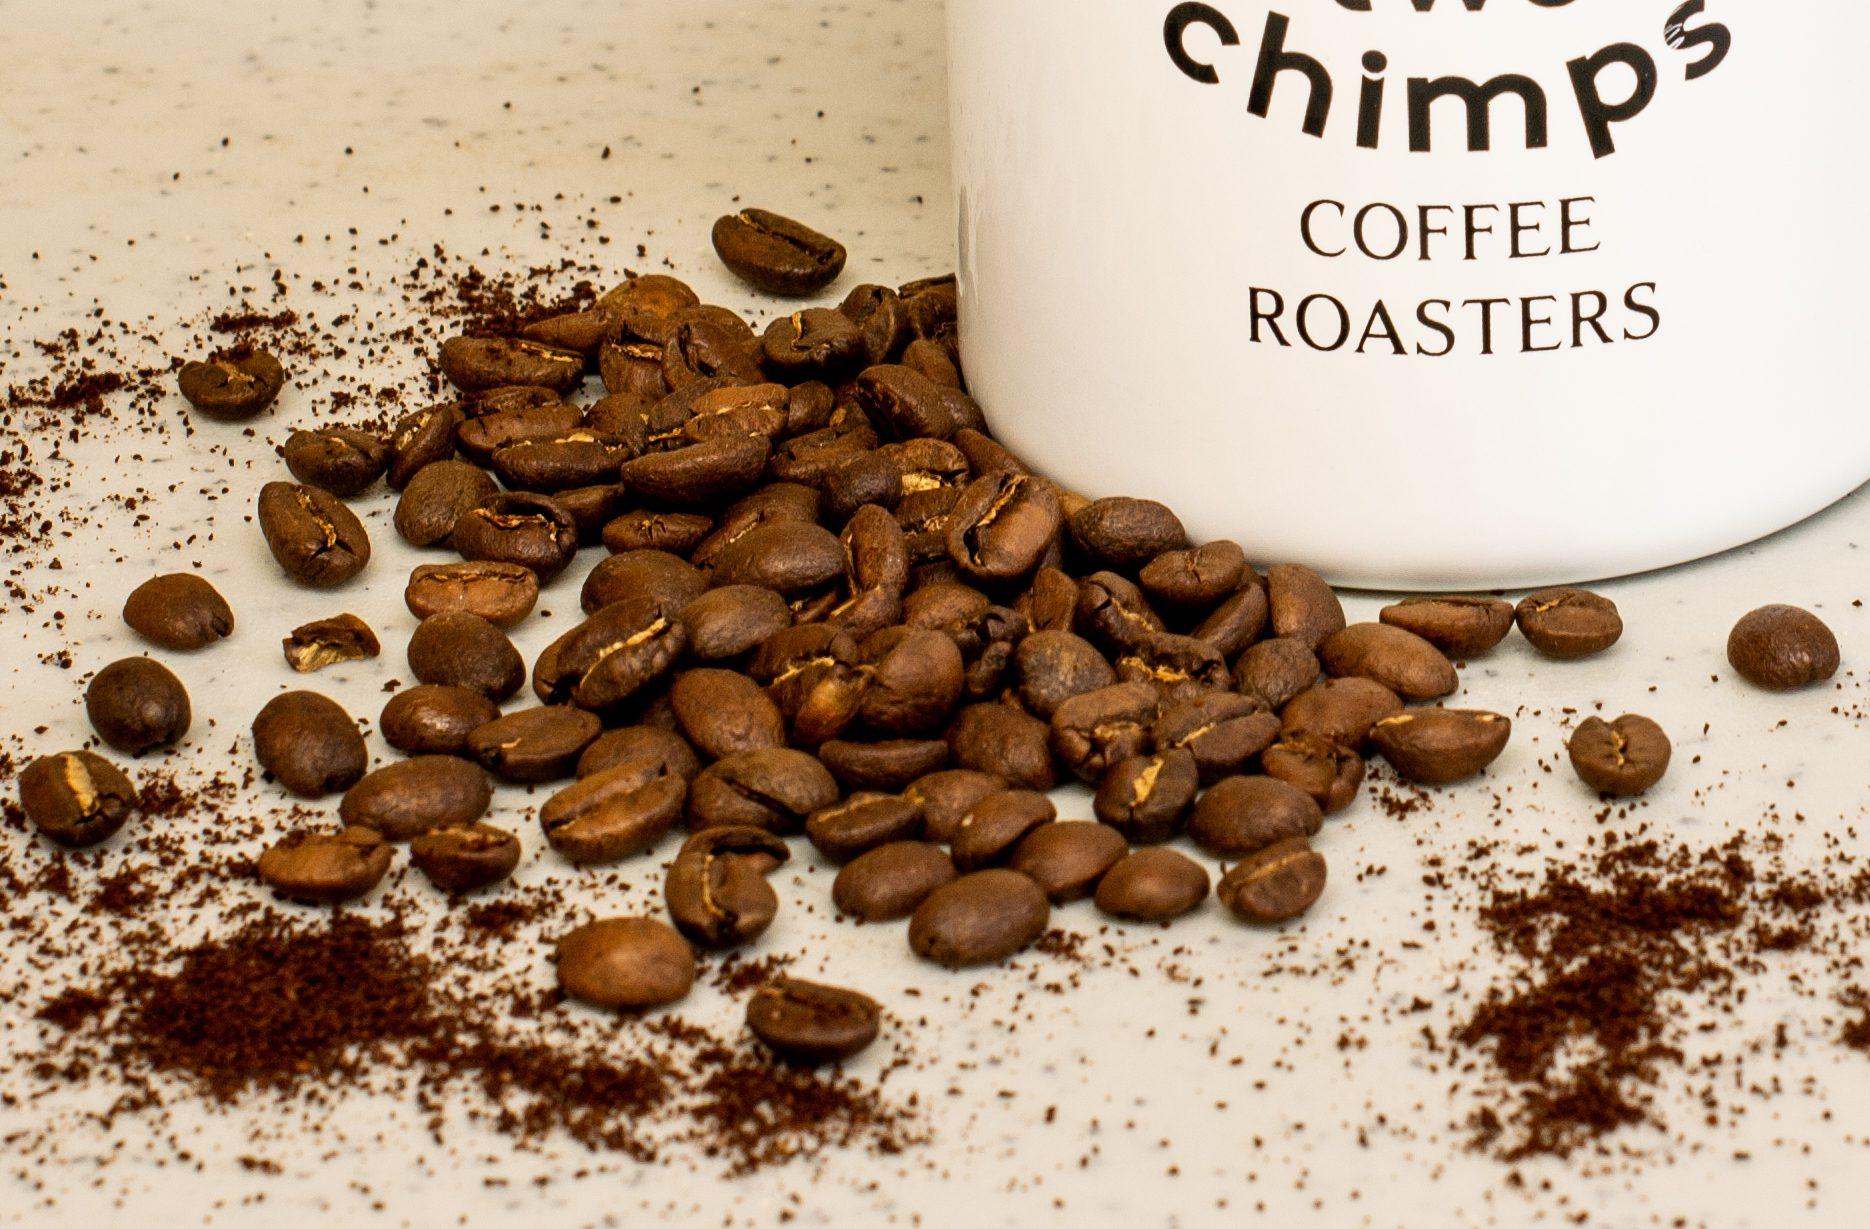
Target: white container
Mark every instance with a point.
(1658, 349)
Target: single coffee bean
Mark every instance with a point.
(1330, 772)
(889, 882)
(887, 766)
(593, 507)
(717, 889)
(1146, 797)
(669, 580)
(774, 789)
(1623, 758)
(818, 343)
(233, 387)
(1342, 711)
(582, 331)
(430, 719)
(999, 739)
(612, 657)
(483, 437)
(408, 798)
(1276, 884)
(915, 681)
(947, 796)
(615, 812)
(1243, 815)
(1152, 885)
(1439, 746)
(679, 533)
(534, 745)
(1177, 666)
(1274, 671)
(788, 557)
(476, 364)
(904, 403)
(978, 919)
(776, 254)
(862, 822)
(316, 540)
(732, 621)
(1093, 731)
(439, 494)
(137, 705)
(1782, 648)
(1002, 526)
(629, 964)
(645, 304)
(534, 531)
(1301, 605)
(1569, 623)
(1223, 731)
(665, 749)
(991, 829)
(461, 860)
(579, 458)
(881, 319)
(337, 459)
(1114, 613)
(1461, 627)
(326, 868)
(708, 344)
(309, 744)
(1055, 666)
(1199, 578)
(178, 611)
(501, 593)
(1236, 623)
(699, 475)
(421, 438)
(1401, 661)
(76, 798)
(868, 478)
(464, 650)
(1067, 860)
(723, 713)
(805, 1022)
(329, 642)
(736, 409)
(1122, 534)
(778, 501)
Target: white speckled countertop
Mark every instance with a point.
(156, 153)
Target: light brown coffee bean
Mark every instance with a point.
(1342, 710)
(459, 649)
(1274, 671)
(1461, 627)
(408, 798)
(326, 868)
(1401, 661)
(1146, 797)
(330, 642)
(616, 812)
(430, 719)
(1329, 772)
(723, 713)
(1569, 623)
(1237, 622)
(1439, 746)
(138, 705)
(629, 964)
(991, 829)
(1243, 815)
(717, 889)
(1002, 526)
(178, 611)
(666, 750)
(1068, 859)
(1622, 758)
(978, 919)
(806, 1022)
(1301, 605)
(462, 860)
(1783, 648)
(772, 789)
(947, 796)
(862, 822)
(889, 882)
(309, 744)
(501, 593)
(76, 798)
(1199, 578)
(315, 539)
(1277, 884)
(1152, 885)
(534, 745)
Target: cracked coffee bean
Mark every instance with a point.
(773, 789)
(862, 822)
(327, 642)
(615, 812)
(1146, 797)
(1621, 758)
(534, 531)
(76, 798)
(501, 593)
(315, 539)
(717, 889)
(534, 745)
(477, 364)
(232, 387)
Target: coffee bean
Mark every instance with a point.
(1276, 884)
(76, 798)
(1243, 815)
(644, 305)
(707, 344)
(580, 458)
(732, 621)
(582, 331)
(329, 642)
(326, 868)
(1623, 758)
(1461, 627)
(137, 705)
(862, 822)
(1223, 731)
(1782, 648)
(887, 766)
(773, 789)
(593, 507)
(776, 254)
(461, 860)
(867, 478)
(1122, 534)
(1401, 661)
(1093, 731)
(1198, 578)
(882, 321)
(1146, 797)
(340, 460)
(476, 364)
(501, 593)
(904, 403)
(790, 558)
(978, 919)
(420, 439)
(991, 829)
(533, 531)
(309, 744)
(316, 540)
(1569, 623)
(723, 713)
(1439, 746)
(717, 888)
(483, 437)
(1237, 622)
(915, 681)
(669, 580)
(819, 343)
(615, 812)
(534, 745)
(947, 796)
(665, 749)
(1274, 671)
(178, 611)
(779, 501)
(1002, 526)
(1328, 771)
(1055, 666)
(1341, 711)
(805, 1022)
(438, 496)
(889, 882)
(232, 387)
(459, 649)
(699, 475)
(1177, 666)
(1068, 859)
(1114, 613)
(734, 409)
(608, 659)
(1152, 885)
(811, 673)
(999, 739)
(1301, 605)
(631, 964)
(408, 798)
(430, 719)
(647, 529)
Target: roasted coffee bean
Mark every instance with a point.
(483, 437)
(1223, 731)
(1114, 613)
(668, 580)
(1050, 604)
(1439, 746)
(882, 321)
(632, 375)
(420, 439)
(1342, 711)
(1093, 731)
(999, 739)
(1002, 526)
(904, 403)
(733, 409)
(708, 344)
(1243, 815)
(1274, 671)
(509, 399)
(309, 744)
(1782, 648)
(579, 458)
(774, 789)
(1068, 859)
(405, 799)
(1301, 605)
(956, 610)
(593, 507)
(329, 642)
(819, 343)
(717, 889)
(1197, 578)
(997, 823)
(1276, 884)
(805, 1022)
(732, 621)
(1055, 666)
(1123, 534)
(1177, 666)
(811, 459)
(233, 387)
(1569, 623)
(615, 812)
(778, 501)
(326, 868)
(433, 720)
(980, 918)
(914, 684)
(1401, 661)
(891, 881)
(462, 860)
(76, 798)
(611, 657)
(476, 364)
(178, 611)
(862, 822)
(582, 331)
(811, 672)
(890, 765)
(625, 963)
(1236, 623)
(1329, 772)
(534, 531)
(788, 557)
(464, 650)
(1461, 627)
(137, 705)
(933, 361)
(1152, 885)
(501, 593)
(645, 529)
(316, 540)
(535, 744)
(668, 751)
(723, 713)
(947, 796)
(644, 305)
(1622, 758)
(437, 497)
(1146, 797)
(699, 475)
(340, 460)
(776, 254)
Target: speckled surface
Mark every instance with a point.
(156, 154)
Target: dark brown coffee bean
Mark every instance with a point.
(1197, 578)
(663, 748)
(611, 657)
(774, 789)
(646, 529)
(947, 796)
(904, 403)
(233, 387)
(885, 766)
(1068, 859)
(819, 343)
(464, 650)
(579, 458)
(1569, 623)
(1050, 604)
(1622, 758)
(978, 919)
(1301, 605)
(1330, 772)
(535, 744)
(735, 409)
(178, 611)
(1236, 623)
(509, 399)
(581, 331)
(1274, 671)
(137, 705)
(805, 1022)
(935, 361)
(717, 889)
(778, 501)
(615, 812)
(891, 881)
(1055, 666)
(708, 344)
(1223, 731)
(337, 459)
(1342, 711)
(476, 364)
(991, 829)
(699, 475)
(1177, 666)
(1401, 661)
(862, 822)
(915, 681)
(1783, 648)
(1152, 885)
(998, 739)
(788, 557)
(316, 540)
(501, 593)
(329, 642)
(1276, 884)
(723, 713)
(534, 531)
(645, 304)
(882, 321)
(1461, 627)
(438, 496)
(1123, 534)
(668, 580)
(732, 621)
(625, 963)
(410, 797)
(1146, 797)
(309, 744)
(776, 254)
(461, 860)
(1003, 525)
(811, 673)
(482, 438)
(593, 507)
(433, 720)
(1439, 746)
(420, 439)
(1243, 815)
(1093, 731)
(1113, 613)
(326, 868)
(76, 798)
